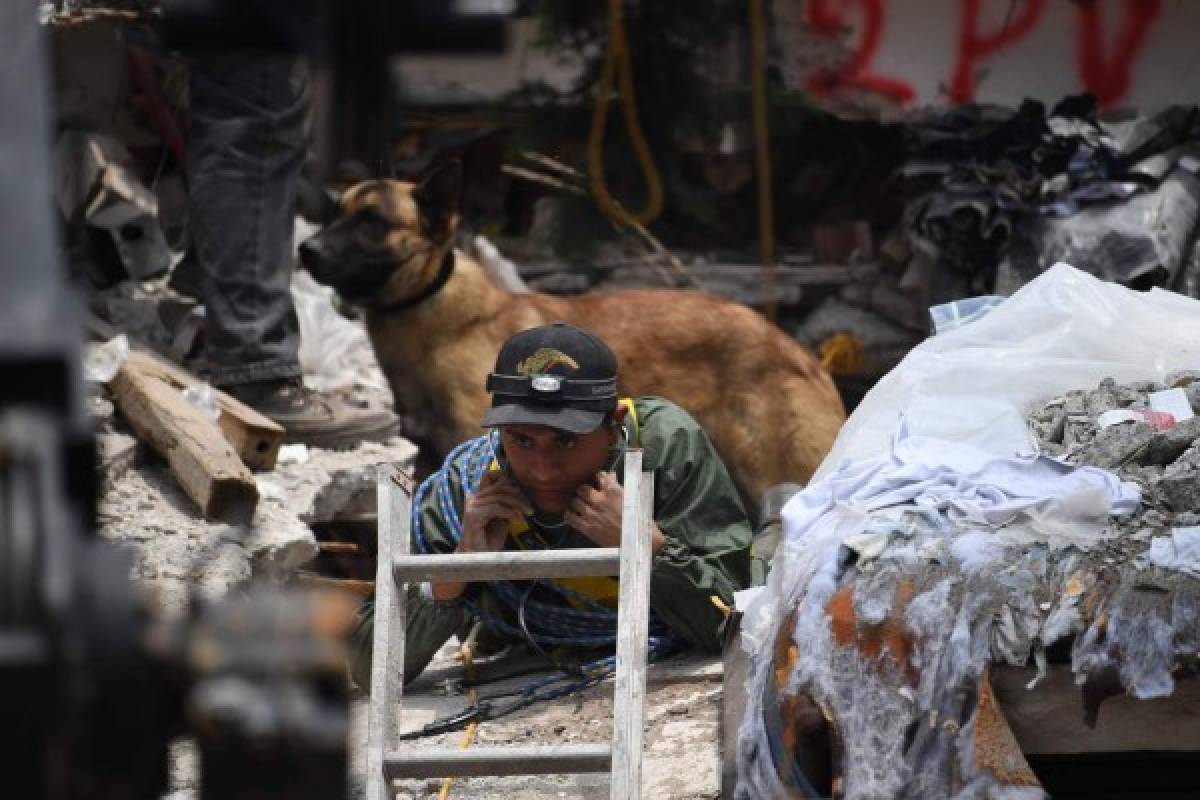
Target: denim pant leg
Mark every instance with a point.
(248, 139)
(429, 625)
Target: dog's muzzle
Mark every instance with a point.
(315, 258)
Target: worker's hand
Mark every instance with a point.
(488, 511)
(596, 510)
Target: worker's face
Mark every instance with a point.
(550, 464)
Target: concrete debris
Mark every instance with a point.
(332, 484)
(176, 549)
(98, 186)
(101, 362)
(277, 541)
(115, 453)
(1165, 463)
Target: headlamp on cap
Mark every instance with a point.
(553, 390)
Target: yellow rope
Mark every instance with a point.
(467, 652)
(762, 141)
(619, 65)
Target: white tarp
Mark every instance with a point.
(1062, 331)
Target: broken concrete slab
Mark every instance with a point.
(332, 483)
(1181, 490)
(278, 542)
(1167, 446)
(1117, 445)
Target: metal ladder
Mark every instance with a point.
(397, 567)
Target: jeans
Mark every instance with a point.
(249, 136)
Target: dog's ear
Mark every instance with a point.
(437, 197)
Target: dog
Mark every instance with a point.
(436, 321)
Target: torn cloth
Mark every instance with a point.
(969, 485)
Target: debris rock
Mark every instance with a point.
(278, 542)
(1117, 445)
(340, 483)
(1181, 491)
(1166, 446)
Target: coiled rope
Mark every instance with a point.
(577, 621)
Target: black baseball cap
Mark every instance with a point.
(556, 375)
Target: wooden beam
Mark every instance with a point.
(1048, 720)
(351, 548)
(206, 466)
(255, 437)
(362, 588)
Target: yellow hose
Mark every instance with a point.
(619, 65)
(762, 142)
(467, 652)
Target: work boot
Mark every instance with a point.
(312, 418)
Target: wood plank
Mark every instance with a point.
(447, 762)
(255, 437)
(362, 588)
(394, 501)
(339, 547)
(205, 464)
(1049, 719)
(513, 565)
(629, 682)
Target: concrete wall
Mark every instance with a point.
(891, 54)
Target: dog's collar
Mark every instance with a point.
(443, 276)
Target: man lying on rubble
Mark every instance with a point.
(548, 475)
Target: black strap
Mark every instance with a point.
(443, 277)
(604, 389)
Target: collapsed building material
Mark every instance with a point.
(206, 465)
(115, 453)
(964, 523)
(97, 187)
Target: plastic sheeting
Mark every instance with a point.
(975, 384)
(335, 353)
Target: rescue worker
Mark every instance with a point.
(549, 475)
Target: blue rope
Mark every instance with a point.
(548, 624)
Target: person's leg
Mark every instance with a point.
(247, 143)
(428, 627)
(248, 139)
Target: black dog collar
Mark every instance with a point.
(443, 276)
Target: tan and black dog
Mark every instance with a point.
(436, 321)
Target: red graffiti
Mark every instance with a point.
(1109, 79)
(975, 46)
(1107, 75)
(829, 17)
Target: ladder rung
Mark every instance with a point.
(508, 565)
(452, 762)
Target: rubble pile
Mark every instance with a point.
(175, 550)
(887, 614)
(998, 195)
(1164, 461)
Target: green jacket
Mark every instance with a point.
(695, 505)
